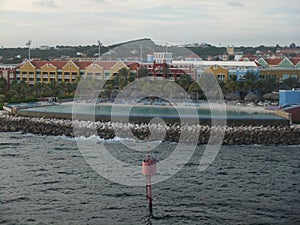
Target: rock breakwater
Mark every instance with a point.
(234, 135)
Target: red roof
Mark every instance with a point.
(250, 56)
(107, 65)
(295, 60)
(132, 65)
(273, 62)
(83, 64)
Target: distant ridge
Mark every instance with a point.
(128, 42)
(131, 50)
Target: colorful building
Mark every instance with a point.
(289, 96)
(280, 69)
(34, 72)
(161, 67)
(8, 72)
(221, 69)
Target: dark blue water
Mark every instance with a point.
(45, 180)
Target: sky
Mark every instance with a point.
(218, 22)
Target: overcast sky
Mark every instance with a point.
(218, 22)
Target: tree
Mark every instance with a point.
(230, 86)
(143, 72)
(184, 81)
(3, 85)
(252, 80)
(38, 89)
(293, 45)
(291, 82)
(268, 85)
(24, 90)
(195, 88)
(124, 73)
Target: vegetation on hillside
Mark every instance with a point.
(121, 50)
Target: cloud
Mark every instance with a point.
(46, 3)
(235, 4)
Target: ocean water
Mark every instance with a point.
(45, 180)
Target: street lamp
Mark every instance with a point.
(99, 51)
(28, 44)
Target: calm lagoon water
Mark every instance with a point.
(161, 111)
(45, 180)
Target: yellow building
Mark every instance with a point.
(34, 72)
(116, 67)
(95, 70)
(280, 74)
(220, 72)
(28, 73)
(48, 73)
(70, 72)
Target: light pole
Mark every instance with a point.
(99, 50)
(28, 44)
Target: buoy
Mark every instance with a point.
(149, 169)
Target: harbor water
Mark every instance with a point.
(45, 180)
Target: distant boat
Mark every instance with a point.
(294, 109)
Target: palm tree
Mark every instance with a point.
(268, 85)
(251, 83)
(124, 73)
(24, 90)
(252, 78)
(38, 89)
(291, 82)
(143, 72)
(230, 86)
(195, 88)
(3, 85)
(108, 88)
(184, 81)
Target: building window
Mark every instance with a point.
(221, 77)
(285, 76)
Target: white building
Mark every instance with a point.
(162, 57)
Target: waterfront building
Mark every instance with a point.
(160, 65)
(34, 72)
(168, 71)
(8, 72)
(289, 96)
(220, 69)
(162, 57)
(280, 74)
(280, 69)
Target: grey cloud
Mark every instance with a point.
(46, 3)
(235, 4)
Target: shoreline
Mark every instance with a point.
(234, 135)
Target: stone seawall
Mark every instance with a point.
(264, 135)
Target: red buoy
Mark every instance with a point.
(149, 169)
